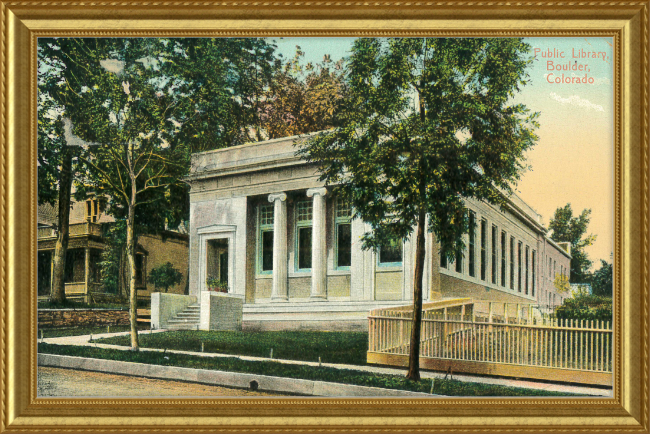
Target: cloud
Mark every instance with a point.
(577, 101)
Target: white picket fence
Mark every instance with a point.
(501, 344)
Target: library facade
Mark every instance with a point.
(264, 225)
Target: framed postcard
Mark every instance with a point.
(333, 216)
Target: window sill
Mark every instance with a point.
(388, 268)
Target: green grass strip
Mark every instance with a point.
(347, 348)
(276, 369)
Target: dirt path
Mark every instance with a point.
(66, 382)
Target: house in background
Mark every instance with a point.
(86, 243)
(261, 219)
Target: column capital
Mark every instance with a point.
(277, 196)
(314, 191)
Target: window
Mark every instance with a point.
(304, 214)
(512, 263)
(534, 272)
(443, 260)
(92, 210)
(390, 252)
(343, 234)
(139, 270)
(472, 242)
(519, 266)
(265, 240)
(459, 261)
(550, 263)
(494, 254)
(527, 259)
(483, 248)
(503, 259)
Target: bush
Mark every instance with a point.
(164, 276)
(586, 307)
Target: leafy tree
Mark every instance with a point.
(227, 79)
(426, 124)
(303, 99)
(142, 105)
(561, 283)
(602, 280)
(131, 110)
(60, 69)
(567, 228)
(165, 276)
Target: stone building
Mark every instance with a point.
(262, 221)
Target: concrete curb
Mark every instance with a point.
(222, 378)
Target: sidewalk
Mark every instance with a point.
(526, 384)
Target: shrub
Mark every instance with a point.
(586, 307)
(165, 276)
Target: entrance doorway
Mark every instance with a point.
(217, 259)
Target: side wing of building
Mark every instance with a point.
(262, 221)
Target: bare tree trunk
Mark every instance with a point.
(133, 295)
(65, 187)
(414, 351)
(130, 254)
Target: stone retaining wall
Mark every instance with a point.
(82, 317)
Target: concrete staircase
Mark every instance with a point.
(188, 319)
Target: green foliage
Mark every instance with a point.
(165, 276)
(216, 284)
(567, 228)
(332, 347)
(111, 264)
(346, 376)
(561, 284)
(427, 123)
(54, 96)
(602, 280)
(586, 307)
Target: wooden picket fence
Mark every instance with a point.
(517, 345)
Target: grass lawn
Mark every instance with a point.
(79, 331)
(347, 376)
(332, 347)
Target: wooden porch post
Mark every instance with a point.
(87, 273)
(52, 272)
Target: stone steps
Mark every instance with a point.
(187, 319)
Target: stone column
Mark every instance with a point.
(279, 289)
(318, 245)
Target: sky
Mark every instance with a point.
(573, 161)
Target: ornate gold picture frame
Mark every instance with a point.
(24, 21)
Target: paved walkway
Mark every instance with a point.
(526, 384)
